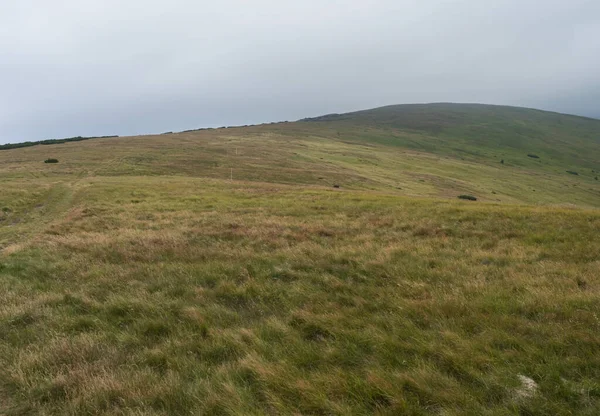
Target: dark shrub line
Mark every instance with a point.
(50, 141)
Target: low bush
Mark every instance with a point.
(572, 172)
(531, 155)
(467, 197)
(51, 160)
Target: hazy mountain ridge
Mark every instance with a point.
(504, 154)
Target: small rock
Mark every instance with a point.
(528, 387)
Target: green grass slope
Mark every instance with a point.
(438, 150)
(487, 130)
(219, 272)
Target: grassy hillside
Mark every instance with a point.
(136, 277)
(486, 131)
(439, 150)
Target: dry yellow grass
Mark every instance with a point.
(175, 295)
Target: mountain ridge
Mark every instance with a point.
(496, 153)
(443, 103)
(321, 118)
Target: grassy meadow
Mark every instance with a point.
(219, 272)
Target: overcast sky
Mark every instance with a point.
(96, 67)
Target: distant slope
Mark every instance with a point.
(479, 130)
(498, 154)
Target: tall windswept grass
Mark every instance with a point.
(194, 296)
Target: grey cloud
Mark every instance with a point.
(102, 67)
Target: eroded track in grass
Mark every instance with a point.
(36, 208)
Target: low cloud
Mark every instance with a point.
(109, 67)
